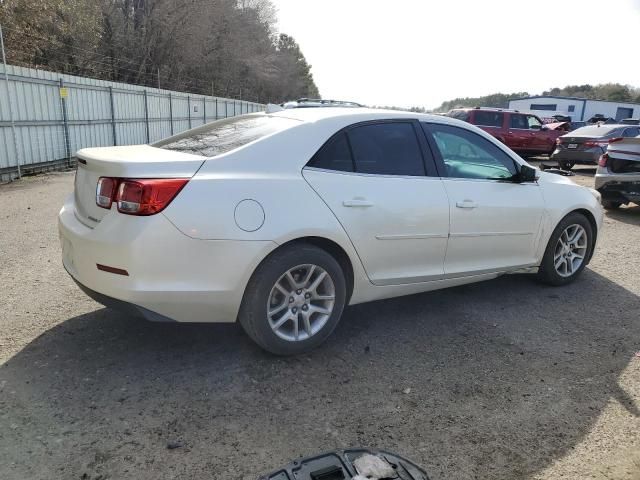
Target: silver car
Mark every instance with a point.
(618, 173)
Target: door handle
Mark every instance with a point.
(466, 204)
(357, 202)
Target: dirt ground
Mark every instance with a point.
(508, 379)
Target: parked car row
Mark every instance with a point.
(585, 145)
(523, 133)
(613, 146)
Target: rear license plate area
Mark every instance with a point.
(572, 145)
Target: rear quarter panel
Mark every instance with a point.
(271, 176)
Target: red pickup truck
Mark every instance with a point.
(522, 132)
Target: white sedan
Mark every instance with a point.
(281, 219)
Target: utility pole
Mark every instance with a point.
(11, 119)
(158, 78)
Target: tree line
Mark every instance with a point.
(226, 48)
(614, 92)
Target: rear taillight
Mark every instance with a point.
(616, 139)
(596, 143)
(139, 196)
(604, 158)
(106, 191)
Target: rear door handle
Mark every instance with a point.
(466, 204)
(357, 202)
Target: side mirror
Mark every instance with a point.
(536, 127)
(544, 127)
(527, 174)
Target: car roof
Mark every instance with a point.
(486, 109)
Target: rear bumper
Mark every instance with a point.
(122, 306)
(170, 276)
(584, 157)
(618, 187)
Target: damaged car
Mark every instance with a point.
(618, 173)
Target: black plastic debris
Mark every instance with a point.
(339, 465)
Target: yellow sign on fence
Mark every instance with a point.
(64, 92)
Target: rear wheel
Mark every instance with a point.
(610, 205)
(568, 250)
(294, 300)
(565, 164)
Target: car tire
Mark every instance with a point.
(265, 293)
(610, 204)
(561, 263)
(565, 165)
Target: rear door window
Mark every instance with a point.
(389, 148)
(334, 155)
(519, 122)
(488, 119)
(631, 132)
(222, 136)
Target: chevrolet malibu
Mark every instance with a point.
(279, 220)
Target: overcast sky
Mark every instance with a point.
(419, 52)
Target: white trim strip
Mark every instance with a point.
(416, 236)
(490, 234)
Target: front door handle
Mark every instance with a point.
(466, 204)
(357, 202)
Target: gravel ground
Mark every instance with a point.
(499, 380)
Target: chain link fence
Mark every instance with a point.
(45, 117)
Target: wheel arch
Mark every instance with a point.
(332, 248)
(594, 227)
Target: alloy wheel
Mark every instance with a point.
(570, 251)
(301, 302)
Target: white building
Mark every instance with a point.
(579, 109)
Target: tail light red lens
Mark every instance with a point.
(106, 191)
(596, 143)
(604, 158)
(617, 139)
(140, 196)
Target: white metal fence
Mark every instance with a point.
(54, 115)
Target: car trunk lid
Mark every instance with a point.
(138, 161)
(624, 156)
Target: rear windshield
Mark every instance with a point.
(459, 114)
(595, 131)
(222, 136)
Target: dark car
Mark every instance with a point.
(523, 133)
(586, 144)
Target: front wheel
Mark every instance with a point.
(568, 250)
(294, 299)
(565, 165)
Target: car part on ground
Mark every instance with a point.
(585, 145)
(280, 220)
(556, 171)
(352, 463)
(618, 173)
